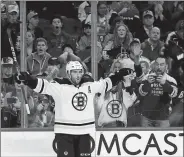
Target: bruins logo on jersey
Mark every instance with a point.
(79, 101)
(114, 109)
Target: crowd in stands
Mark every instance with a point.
(149, 33)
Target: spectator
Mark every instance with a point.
(122, 37)
(161, 22)
(52, 71)
(142, 33)
(30, 43)
(32, 24)
(68, 55)
(173, 10)
(116, 66)
(82, 14)
(158, 89)
(44, 117)
(176, 117)
(105, 64)
(115, 103)
(102, 20)
(152, 47)
(11, 24)
(85, 41)
(57, 38)
(144, 62)
(145, 65)
(7, 70)
(10, 112)
(109, 118)
(130, 14)
(116, 21)
(7, 79)
(37, 62)
(177, 36)
(174, 48)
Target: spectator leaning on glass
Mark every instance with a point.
(157, 90)
(73, 95)
(37, 62)
(32, 24)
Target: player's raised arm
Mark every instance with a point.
(37, 84)
(107, 83)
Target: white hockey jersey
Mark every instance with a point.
(112, 110)
(74, 108)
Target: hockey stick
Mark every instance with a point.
(17, 67)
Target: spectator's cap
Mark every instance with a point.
(53, 61)
(135, 40)
(7, 60)
(179, 25)
(13, 8)
(31, 15)
(147, 12)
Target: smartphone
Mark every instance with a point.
(11, 100)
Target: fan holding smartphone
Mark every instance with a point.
(158, 90)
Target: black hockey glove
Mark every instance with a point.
(119, 75)
(26, 79)
(129, 90)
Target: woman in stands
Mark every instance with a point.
(122, 38)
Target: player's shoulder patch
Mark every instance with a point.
(61, 81)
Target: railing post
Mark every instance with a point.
(94, 63)
(23, 54)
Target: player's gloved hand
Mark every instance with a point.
(26, 79)
(22, 77)
(119, 75)
(125, 72)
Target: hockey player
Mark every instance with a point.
(74, 109)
